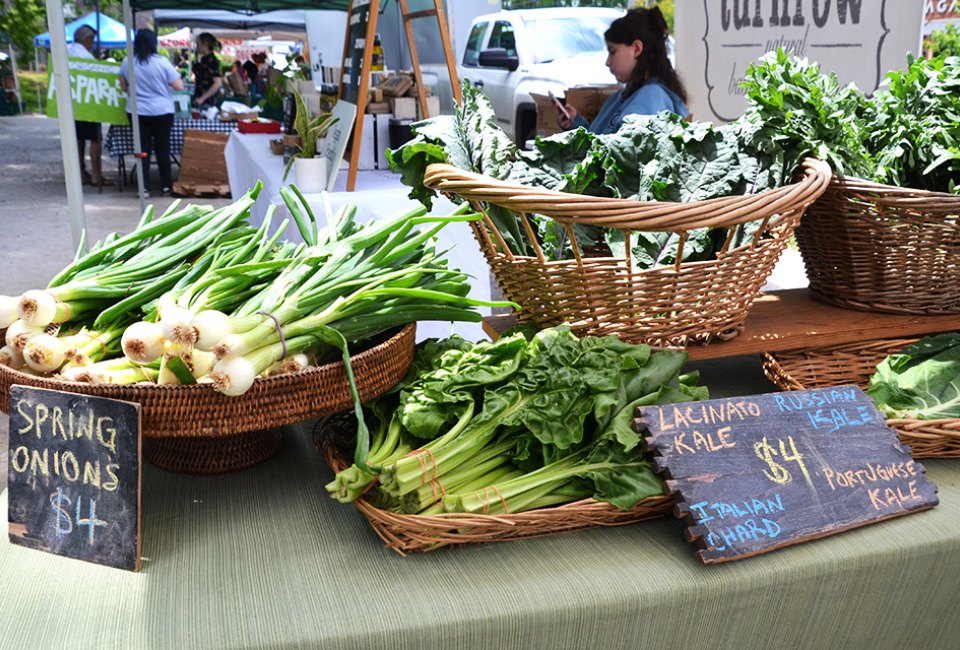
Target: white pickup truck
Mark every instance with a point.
(511, 54)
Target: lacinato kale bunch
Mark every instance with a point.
(651, 158)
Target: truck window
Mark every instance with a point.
(557, 38)
(502, 36)
(471, 55)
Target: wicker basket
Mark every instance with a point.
(412, 533)
(195, 429)
(854, 364)
(683, 303)
(880, 248)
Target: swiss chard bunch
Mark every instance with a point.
(916, 142)
(516, 424)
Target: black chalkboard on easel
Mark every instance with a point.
(361, 26)
(765, 471)
(355, 70)
(74, 476)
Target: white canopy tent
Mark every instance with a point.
(178, 39)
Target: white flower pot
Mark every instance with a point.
(311, 174)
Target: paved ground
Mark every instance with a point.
(34, 218)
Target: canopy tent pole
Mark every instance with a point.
(16, 77)
(36, 61)
(68, 135)
(132, 99)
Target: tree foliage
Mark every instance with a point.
(944, 42)
(24, 19)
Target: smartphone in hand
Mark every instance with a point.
(561, 109)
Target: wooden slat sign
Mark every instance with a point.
(74, 476)
(766, 471)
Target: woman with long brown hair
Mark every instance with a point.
(637, 57)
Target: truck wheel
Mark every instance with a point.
(526, 124)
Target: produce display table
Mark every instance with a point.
(793, 320)
(263, 558)
(119, 141)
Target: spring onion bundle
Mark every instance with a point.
(197, 295)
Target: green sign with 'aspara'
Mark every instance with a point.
(95, 89)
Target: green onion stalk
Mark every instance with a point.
(133, 269)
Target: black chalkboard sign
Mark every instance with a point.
(74, 476)
(359, 18)
(762, 472)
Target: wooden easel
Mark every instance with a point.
(358, 52)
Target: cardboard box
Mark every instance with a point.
(586, 99)
(203, 169)
(396, 86)
(404, 107)
(226, 116)
(589, 99)
(378, 107)
(433, 108)
(547, 123)
(313, 103)
(305, 86)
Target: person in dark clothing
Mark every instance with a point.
(252, 73)
(206, 71)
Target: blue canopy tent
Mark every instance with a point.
(110, 32)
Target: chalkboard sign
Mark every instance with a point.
(354, 46)
(762, 472)
(74, 476)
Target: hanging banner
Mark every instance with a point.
(95, 89)
(859, 40)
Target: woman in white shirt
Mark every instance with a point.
(155, 78)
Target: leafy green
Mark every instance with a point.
(546, 417)
(652, 158)
(907, 134)
(921, 382)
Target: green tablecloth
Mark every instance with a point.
(263, 558)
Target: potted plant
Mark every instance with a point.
(311, 167)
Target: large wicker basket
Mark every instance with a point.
(854, 363)
(194, 429)
(880, 248)
(682, 303)
(412, 533)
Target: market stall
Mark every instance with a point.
(628, 255)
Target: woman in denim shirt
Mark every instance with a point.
(637, 57)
